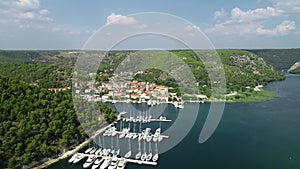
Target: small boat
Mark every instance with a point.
(102, 152)
(78, 158)
(144, 156)
(160, 138)
(114, 163)
(128, 154)
(155, 158)
(72, 158)
(98, 151)
(162, 118)
(135, 136)
(89, 161)
(138, 155)
(93, 150)
(88, 150)
(121, 164)
(141, 135)
(147, 131)
(106, 163)
(112, 151)
(106, 152)
(149, 138)
(129, 135)
(97, 163)
(117, 152)
(149, 156)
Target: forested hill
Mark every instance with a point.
(279, 58)
(35, 123)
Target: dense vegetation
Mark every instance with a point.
(295, 71)
(35, 123)
(44, 75)
(279, 58)
(243, 70)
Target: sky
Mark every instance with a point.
(69, 24)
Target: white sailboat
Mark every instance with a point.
(114, 163)
(72, 158)
(144, 155)
(89, 162)
(106, 163)
(149, 156)
(78, 158)
(139, 154)
(97, 163)
(128, 154)
(155, 157)
(121, 164)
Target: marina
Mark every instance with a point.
(103, 156)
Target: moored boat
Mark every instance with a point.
(72, 158)
(97, 163)
(89, 161)
(106, 163)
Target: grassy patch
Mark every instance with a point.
(259, 96)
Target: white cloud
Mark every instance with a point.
(238, 15)
(27, 15)
(219, 14)
(191, 28)
(28, 4)
(288, 6)
(283, 28)
(34, 16)
(119, 19)
(44, 12)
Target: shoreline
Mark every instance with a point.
(69, 153)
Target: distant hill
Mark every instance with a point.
(279, 58)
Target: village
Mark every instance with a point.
(120, 89)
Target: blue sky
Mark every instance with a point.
(68, 24)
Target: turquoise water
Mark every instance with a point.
(250, 135)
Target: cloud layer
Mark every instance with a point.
(260, 21)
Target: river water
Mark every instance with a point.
(262, 135)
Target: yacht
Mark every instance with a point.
(89, 162)
(112, 151)
(156, 134)
(144, 156)
(102, 152)
(138, 155)
(72, 158)
(106, 163)
(149, 156)
(147, 131)
(149, 138)
(129, 135)
(93, 150)
(114, 163)
(155, 158)
(107, 152)
(135, 135)
(121, 164)
(162, 118)
(88, 150)
(98, 151)
(78, 158)
(117, 152)
(97, 163)
(128, 154)
(141, 135)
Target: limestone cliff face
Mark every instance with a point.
(294, 67)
